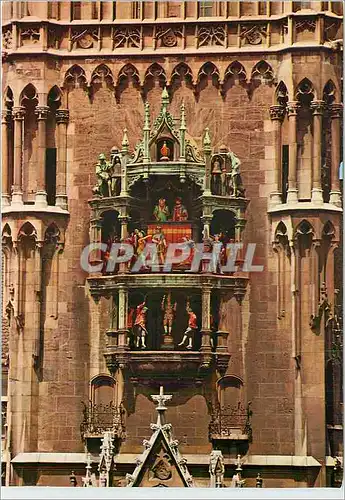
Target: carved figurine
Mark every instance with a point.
(114, 170)
(159, 239)
(161, 211)
(103, 186)
(140, 331)
(169, 311)
(236, 181)
(164, 152)
(217, 253)
(179, 212)
(191, 329)
(216, 182)
(141, 243)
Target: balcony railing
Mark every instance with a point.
(100, 418)
(231, 422)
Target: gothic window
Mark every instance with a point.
(285, 171)
(206, 9)
(75, 11)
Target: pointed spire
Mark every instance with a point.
(182, 118)
(147, 116)
(161, 399)
(125, 142)
(165, 99)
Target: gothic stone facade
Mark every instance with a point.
(265, 79)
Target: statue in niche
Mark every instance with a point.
(114, 171)
(216, 181)
(164, 152)
(169, 311)
(180, 213)
(191, 329)
(159, 239)
(161, 211)
(217, 254)
(236, 188)
(103, 186)
(139, 327)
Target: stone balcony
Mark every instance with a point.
(100, 418)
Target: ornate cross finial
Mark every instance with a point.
(165, 99)
(207, 140)
(125, 142)
(183, 118)
(161, 399)
(147, 116)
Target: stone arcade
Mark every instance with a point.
(158, 123)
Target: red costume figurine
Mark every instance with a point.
(140, 325)
(192, 327)
(179, 212)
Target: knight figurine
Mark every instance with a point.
(169, 311)
(180, 213)
(191, 329)
(102, 187)
(139, 328)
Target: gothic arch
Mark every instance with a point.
(262, 72)
(235, 71)
(28, 94)
(27, 230)
(52, 233)
(181, 72)
(8, 99)
(75, 77)
(304, 228)
(128, 72)
(209, 70)
(305, 92)
(155, 72)
(281, 95)
(54, 97)
(102, 75)
(330, 93)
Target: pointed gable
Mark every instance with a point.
(161, 464)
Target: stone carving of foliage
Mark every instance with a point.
(75, 76)
(254, 35)
(7, 39)
(211, 35)
(126, 37)
(30, 35)
(85, 38)
(262, 71)
(168, 37)
(305, 25)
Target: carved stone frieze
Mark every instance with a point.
(169, 37)
(126, 37)
(84, 38)
(30, 36)
(254, 35)
(211, 35)
(7, 39)
(305, 25)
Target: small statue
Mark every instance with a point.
(141, 243)
(236, 181)
(103, 186)
(191, 329)
(216, 183)
(140, 325)
(165, 152)
(217, 254)
(159, 239)
(180, 213)
(169, 311)
(161, 211)
(224, 182)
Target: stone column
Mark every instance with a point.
(336, 115)
(292, 108)
(206, 319)
(207, 153)
(318, 109)
(277, 117)
(96, 237)
(17, 194)
(62, 117)
(41, 194)
(122, 317)
(5, 196)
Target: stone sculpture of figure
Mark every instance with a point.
(217, 248)
(236, 181)
(191, 329)
(103, 186)
(169, 310)
(159, 239)
(237, 482)
(216, 182)
(179, 212)
(164, 152)
(224, 182)
(161, 211)
(139, 328)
